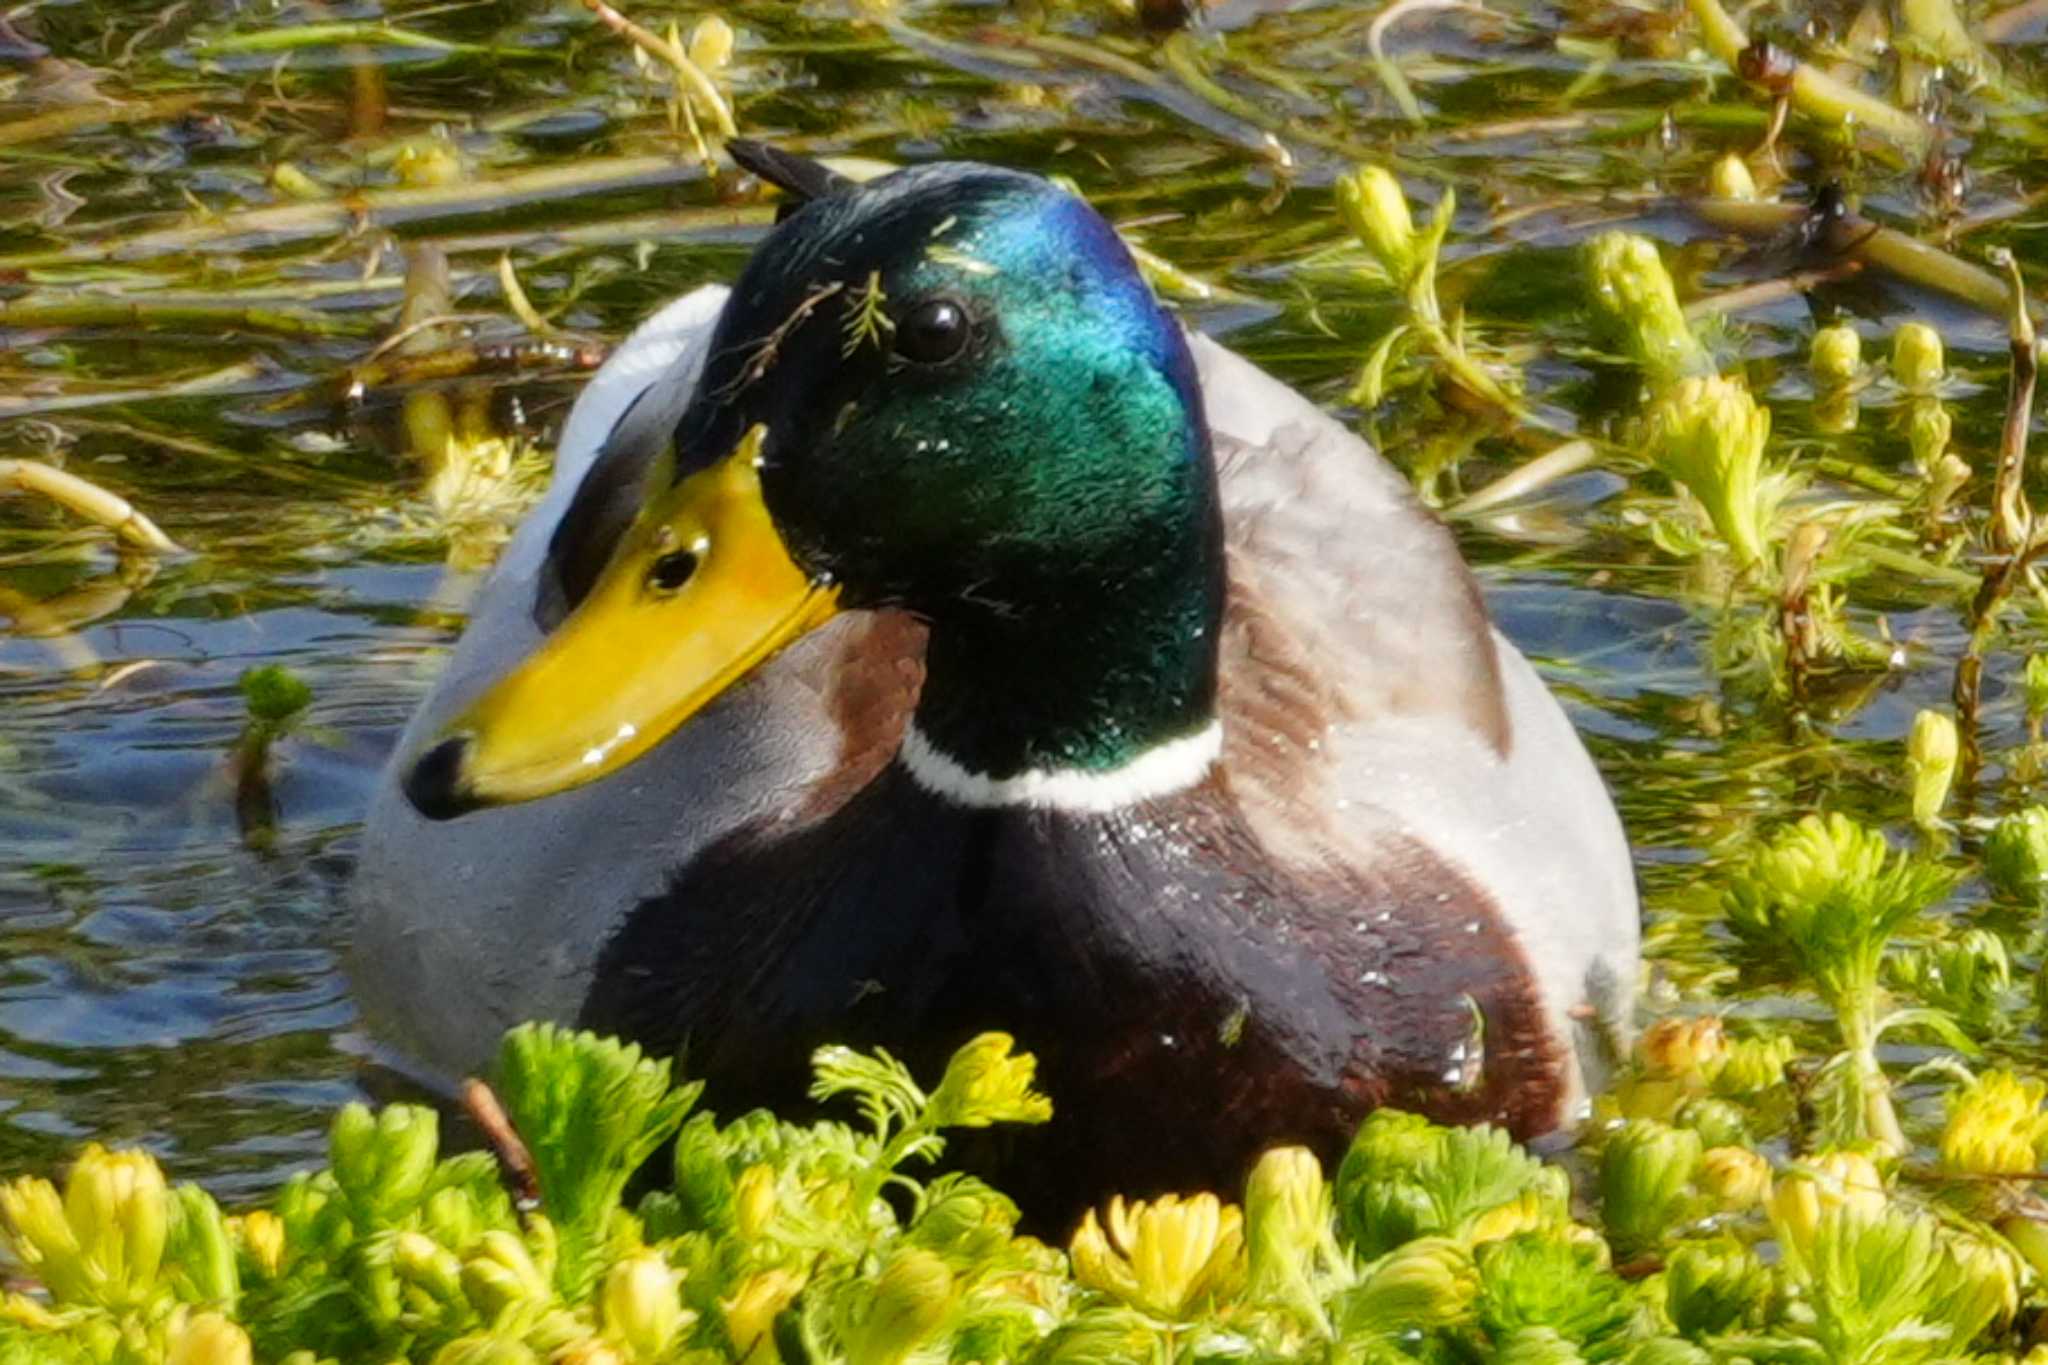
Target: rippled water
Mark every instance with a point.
(167, 975)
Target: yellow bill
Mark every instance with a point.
(699, 592)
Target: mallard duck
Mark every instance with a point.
(931, 635)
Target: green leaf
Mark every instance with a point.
(592, 1111)
(889, 1098)
(200, 1251)
(1550, 1279)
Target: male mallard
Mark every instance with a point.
(930, 636)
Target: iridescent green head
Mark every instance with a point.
(950, 391)
(967, 387)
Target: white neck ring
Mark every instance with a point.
(1159, 771)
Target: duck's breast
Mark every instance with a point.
(462, 928)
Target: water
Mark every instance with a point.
(170, 954)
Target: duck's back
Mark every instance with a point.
(1374, 719)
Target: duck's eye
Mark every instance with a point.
(933, 332)
(672, 570)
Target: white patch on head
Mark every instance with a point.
(1161, 770)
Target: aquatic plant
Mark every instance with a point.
(837, 1241)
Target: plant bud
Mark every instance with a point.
(1982, 1287)
(1535, 1345)
(910, 1300)
(1099, 1336)
(274, 694)
(984, 1084)
(754, 1200)
(40, 1237)
(203, 1249)
(711, 43)
(1801, 1198)
(1832, 892)
(260, 1234)
(588, 1351)
(486, 1348)
(1928, 428)
(1167, 1257)
(293, 183)
(964, 1220)
(1718, 1122)
(501, 1274)
(1753, 1064)
(1709, 435)
(1917, 362)
(751, 1311)
(1376, 211)
(2029, 1239)
(1287, 1213)
(1710, 1286)
(1643, 1175)
(1525, 1212)
(107, 1243)
(1667, 1351)
(1378, 1198)
(1422, 1283)
(1734, 1177)
(640, 1303)
(2034, 683)
(1632, 287)
(1730, 179)
(382, 1163)
(1836, 357)
(427, 163)
(1685, 1047)
(2016, 853)
(452, 1217)
(1995, 1126)
(1945, 479)
(205, 1339)
(1931, 749)
(422, 1261)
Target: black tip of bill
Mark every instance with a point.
(435, 786)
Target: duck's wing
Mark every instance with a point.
(1370, 709)
(465, 927)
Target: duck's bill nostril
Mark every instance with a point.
(436, 785)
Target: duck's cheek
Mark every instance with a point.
(701, 590)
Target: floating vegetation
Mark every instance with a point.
(771, 1241)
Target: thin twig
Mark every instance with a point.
(1557, 463)
(1390, 72)
(88, 500)
(1764, 292)
(654, 45)
(2011, 523)
(2013, 534)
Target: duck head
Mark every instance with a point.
(947, 391)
